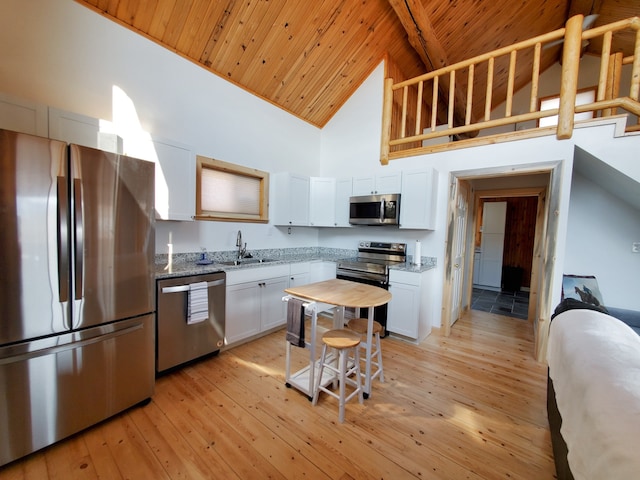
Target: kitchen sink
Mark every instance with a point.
(248, 261)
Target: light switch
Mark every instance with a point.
(635, 247)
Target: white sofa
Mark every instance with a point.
(594, 396)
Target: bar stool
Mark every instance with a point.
(343, 341)
(359, 325)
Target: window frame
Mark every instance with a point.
(580, 116)
(213, 164)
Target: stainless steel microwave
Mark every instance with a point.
(375, 209)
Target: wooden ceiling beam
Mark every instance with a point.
(422, 38)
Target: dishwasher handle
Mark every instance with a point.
(185, 288)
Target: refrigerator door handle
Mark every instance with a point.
(63, 240)
(79, 237)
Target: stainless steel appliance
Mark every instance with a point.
(180, 341)
(77, 320)
(371, 266)
(375, 209)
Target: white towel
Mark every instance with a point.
(198, 304)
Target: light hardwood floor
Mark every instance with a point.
(470, 406)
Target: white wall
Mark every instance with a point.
(363, 120)
(600, 232)
(352, 137)
(61, 54)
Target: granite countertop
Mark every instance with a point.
(184, 264)
(426, 263)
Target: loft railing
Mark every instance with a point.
(409, 119)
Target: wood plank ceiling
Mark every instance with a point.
(308, 57)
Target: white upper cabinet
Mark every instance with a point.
(322, 202)
(73, 128)
(175, 162)
(289, 199)
(344, 190)
(23, 116)
(175, 180)
(82, 130)
(378, 184)
(418, 199)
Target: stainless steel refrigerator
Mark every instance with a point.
(77, 289)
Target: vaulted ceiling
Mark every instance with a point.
(309, 56)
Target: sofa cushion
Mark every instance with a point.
(630, 317)
(594, 362)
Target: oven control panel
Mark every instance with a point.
(383, 247)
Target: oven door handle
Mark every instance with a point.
(360, 276)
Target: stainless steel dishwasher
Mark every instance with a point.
(178, 341)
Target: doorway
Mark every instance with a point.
(504, 233)
(539, 180)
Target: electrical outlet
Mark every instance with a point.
(635, 247)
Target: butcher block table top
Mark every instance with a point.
(343, 293)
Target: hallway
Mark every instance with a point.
(511, 304)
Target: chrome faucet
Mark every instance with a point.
(241, 250)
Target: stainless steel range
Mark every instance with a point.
(371, 266)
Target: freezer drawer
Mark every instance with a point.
(177, 341)
(60, 385)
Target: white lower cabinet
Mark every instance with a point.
(273, 311)
(254, 296)
(409, 311)
(300, 274)
(311, 272)
(321, 271)
(242, 319)
(254, 301)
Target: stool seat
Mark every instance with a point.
(360, 325)
(374, 351)
(341, 338)
(342, 341)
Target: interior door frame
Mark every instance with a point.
(544, 246)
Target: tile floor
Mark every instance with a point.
(511, 304)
